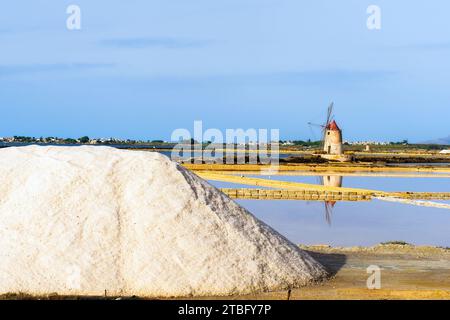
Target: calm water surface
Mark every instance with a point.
(357, 223)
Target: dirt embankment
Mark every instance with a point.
(407, 272)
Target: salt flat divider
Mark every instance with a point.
(308, 195)
(277, 184)
(318, 191)
(420, 203)
(341, 174)
(313, 168)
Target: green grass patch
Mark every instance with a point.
(395, 242)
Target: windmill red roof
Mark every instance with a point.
(333, 126)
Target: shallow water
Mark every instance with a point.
(357, 223)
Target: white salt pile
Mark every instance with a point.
(82, 220)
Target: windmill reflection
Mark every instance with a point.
(331, 181)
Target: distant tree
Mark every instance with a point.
(308, 143)
(70, 141)
(189, 141)
(84, 139)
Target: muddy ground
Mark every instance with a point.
(407, 272)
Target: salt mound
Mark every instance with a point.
(82, 220)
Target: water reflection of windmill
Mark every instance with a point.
(331, 181)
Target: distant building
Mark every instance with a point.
(374, 143)
(445, 151)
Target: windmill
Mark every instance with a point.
(324, 126)
(331, 136)
(331, 143)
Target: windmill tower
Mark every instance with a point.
(332, 137)
(332, 142)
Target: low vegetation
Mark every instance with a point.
(395, 242)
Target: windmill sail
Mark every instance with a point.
(324, 126)
(327, 122)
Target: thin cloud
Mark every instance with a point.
(307, 77)
(328, 78)
(332, 76)
(427, 46)
(6, 70)
(150, 42)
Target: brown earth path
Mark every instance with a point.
(407, 272)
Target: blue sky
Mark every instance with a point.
(140, 69)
